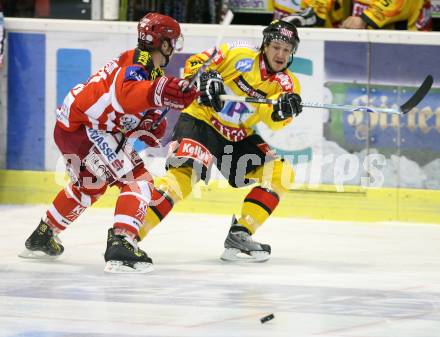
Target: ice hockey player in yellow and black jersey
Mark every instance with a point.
(390, 14)
(212, 132)
(361, 14)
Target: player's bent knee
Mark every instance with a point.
(283, 176)
(177, 183)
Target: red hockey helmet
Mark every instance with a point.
(154, 28)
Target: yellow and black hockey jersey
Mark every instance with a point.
(400, 14)
(244, 73)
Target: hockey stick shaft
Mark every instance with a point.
(162, 116)
(226, 21)
(190, 84)
(304, 104)
(411, 103)
(199, 72)
(307, 104)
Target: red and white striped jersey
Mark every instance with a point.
(114, 98)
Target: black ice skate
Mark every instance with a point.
(123, 256)
(42, 244)
(239, 246)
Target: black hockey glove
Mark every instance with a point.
(211, 87)
(305, 18)
(289, 104)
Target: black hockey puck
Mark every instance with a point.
(267, 318)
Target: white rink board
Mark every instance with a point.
(105, 40)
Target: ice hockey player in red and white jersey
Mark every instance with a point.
(118, 102)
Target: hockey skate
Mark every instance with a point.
(239, 246)
(123, 256)
(42, 244)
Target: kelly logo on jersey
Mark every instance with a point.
(189, 148)
(244, 65)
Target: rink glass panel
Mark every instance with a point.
(409, 144)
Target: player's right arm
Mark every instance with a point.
(382, 13)
(328, 12)
(134, 93)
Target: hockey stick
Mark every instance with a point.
(162, 116)
(226, 21)
(412, 102)
(190, 84)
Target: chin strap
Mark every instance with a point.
(167, 57)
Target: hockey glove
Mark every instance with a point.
(211, 87)
(145, 131)
(288, 104)
(172, 92)
(305, 18)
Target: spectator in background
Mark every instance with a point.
(392, 14)
(2, 35)
(19, 8)
(283, 8)
(362, 14)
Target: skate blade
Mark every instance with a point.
(118, 267)
(37, 255)
(235, 255)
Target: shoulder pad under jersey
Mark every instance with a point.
(286, 81)
(242, 44)
(135, 73)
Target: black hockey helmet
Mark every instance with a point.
(283, 31)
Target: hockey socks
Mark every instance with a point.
(68, 205)
(257, 207)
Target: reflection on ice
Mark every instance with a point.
(324, 279)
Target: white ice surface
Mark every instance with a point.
(324, 279)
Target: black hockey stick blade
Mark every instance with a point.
(418, 96)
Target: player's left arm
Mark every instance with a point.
(382, 13)
(136, 93)
(131, 90)
(2, 36)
